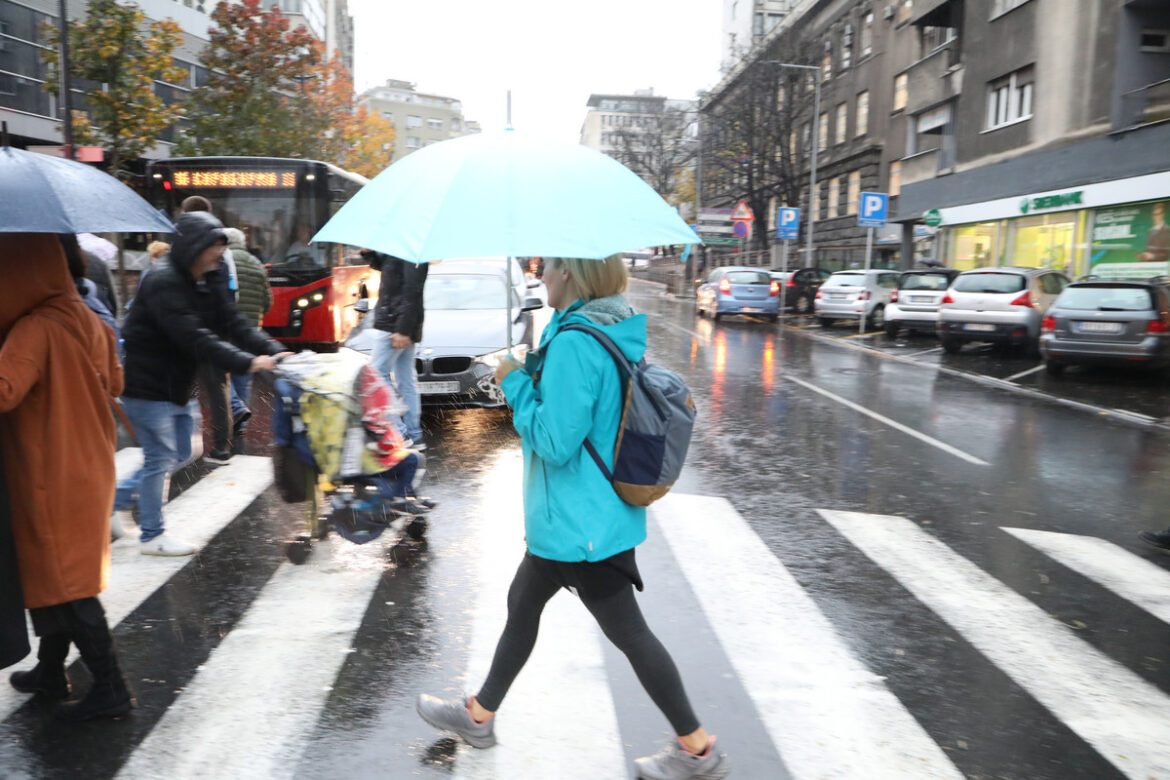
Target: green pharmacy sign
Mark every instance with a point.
(1048, 202)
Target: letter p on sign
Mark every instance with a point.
(873, 209)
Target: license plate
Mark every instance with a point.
(835, 296)
(432, 388)
(749, 310)
(983, 327)
(1100, 327)
(921, 299)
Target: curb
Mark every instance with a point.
(1133, 418)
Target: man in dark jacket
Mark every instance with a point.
(398, 322)
(255, 298)
(183, 315)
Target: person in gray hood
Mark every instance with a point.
(183, 315)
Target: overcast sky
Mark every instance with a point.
(551, 54)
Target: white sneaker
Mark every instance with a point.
(118, 524)
(165, 545)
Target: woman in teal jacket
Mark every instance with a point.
(580, 534)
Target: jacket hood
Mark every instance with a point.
(33, 274)
(196, 231)
(614, 317)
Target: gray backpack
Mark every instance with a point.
(655, 429)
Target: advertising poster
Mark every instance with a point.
(1132, 241)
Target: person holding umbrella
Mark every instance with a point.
(580, 534)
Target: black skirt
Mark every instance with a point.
(596, 579)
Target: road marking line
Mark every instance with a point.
(248, 708)
(681, 329)
(196, 516)
(1123, 717)
(924, 352)
(1133, 578)
(541, 732)
(887, 421)
(828, 715)
(1033, 370)
(863, 335)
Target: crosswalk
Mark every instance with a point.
(253, 707)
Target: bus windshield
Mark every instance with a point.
(278, 226)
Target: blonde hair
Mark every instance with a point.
(157, 249)
(589, 279)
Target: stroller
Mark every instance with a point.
(338, 451)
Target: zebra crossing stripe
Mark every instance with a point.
(247, 709)
(1123, 717)
(1134, 579)
(828, 715)
(559, 718)
(196, 516)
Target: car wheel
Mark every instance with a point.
(773, 318)
(716, 316)
(892, 329)
(826, 322)
(951, 346)
(1053, 368)
(876, 320)
(803, 305)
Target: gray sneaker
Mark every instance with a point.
(453, 716)
(674, 763)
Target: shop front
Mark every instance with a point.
(1111, 229)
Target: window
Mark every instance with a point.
(1154, 41)
(792, 144)
(905, 9)
(847, 47)
(827, 64)
(434, 124)
(867, 34)
(842, 119)
(901, 94)
(412, 142)
(7, 83)
(456, 124)
(5, 29)
(834, 197)
(823, 132)
(853, 195)
(807, 133)
(758, 24)
(1009, 99)
(862, 114)
(816, 202)
(895, 184)
(1001, 7)
(933, 38)
(414, 121)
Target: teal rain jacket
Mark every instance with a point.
(571, 512)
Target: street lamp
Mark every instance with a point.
(812, 183)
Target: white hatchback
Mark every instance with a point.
(848, 295)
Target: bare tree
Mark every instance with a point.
(657, 147)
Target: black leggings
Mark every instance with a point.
(620, 619)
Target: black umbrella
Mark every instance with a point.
(43, 194)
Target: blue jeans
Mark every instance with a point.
(241, 384)
(397, 365)
(164, 433)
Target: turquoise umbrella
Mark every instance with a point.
(506, 194)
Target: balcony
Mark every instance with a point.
(926, 165)
(936, 78)
(1145, 105)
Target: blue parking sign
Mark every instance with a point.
(788, 222)
(874, 207)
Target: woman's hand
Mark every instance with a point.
(507, 365)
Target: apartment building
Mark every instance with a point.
(746, 23)
(420, 119)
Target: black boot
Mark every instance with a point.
(48, 676)
(1157, 539)
(109, 697)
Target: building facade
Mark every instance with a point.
(420, 119)
(747, 22)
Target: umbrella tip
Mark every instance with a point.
(3, 134)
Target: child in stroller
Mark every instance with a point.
(336, 439)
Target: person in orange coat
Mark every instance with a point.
(58, 373)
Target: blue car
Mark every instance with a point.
(737, 290)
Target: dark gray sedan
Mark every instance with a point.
(1108, 322)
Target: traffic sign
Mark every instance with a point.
(743, 228)
(742, 212)
(711, 241)
(788, 223)
(932, 218)
(874, 207)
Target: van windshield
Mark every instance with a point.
(989, 283)
(845, 280)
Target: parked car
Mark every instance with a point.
(1109, 323)
(466, 326)
(848, 295)
(800, 287)
(914, 305)
(1003, 305)
(736, 290)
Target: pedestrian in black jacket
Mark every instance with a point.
(183, 315)
(398, 323)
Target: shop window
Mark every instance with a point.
(862, 114)
(867, 35)
(895, 184)
(1045, 241)
(854, 192)
(834, 197)
(1009, 99)
(901, 92)
(1001, 7)
(974, 246)
(841, 120)
(823, 132)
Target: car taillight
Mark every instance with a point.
(863, 295)
(1048, 325)
(1158, 326)
(791, 281)
(774, 290)
(725, 287)
(893, 296)
(818, 295)
(947, 299)
(1023, 299)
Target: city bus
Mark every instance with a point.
(280, 204)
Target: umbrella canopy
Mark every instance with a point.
(43, 194)
(505, 194)
(97, 246)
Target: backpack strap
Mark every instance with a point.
(624, 369)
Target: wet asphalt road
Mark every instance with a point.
(778, 438)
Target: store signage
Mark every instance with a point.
(234, 179)
(932, 218)
(1060, 200)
